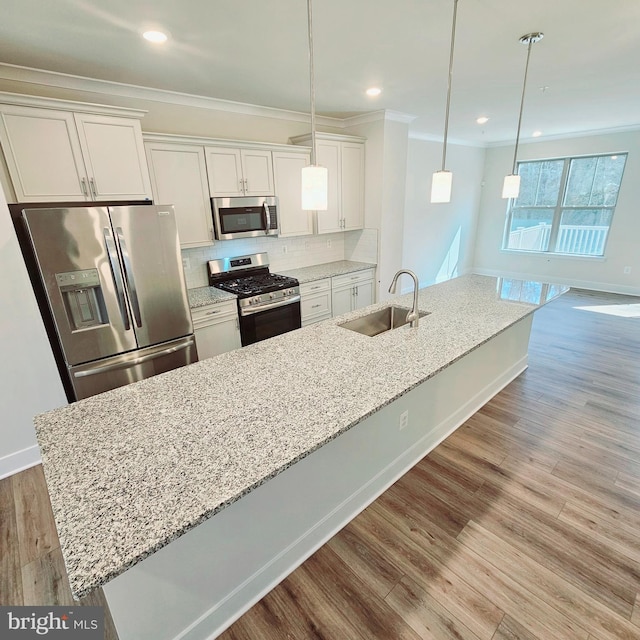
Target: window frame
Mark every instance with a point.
(560, 207)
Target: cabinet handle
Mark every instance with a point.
(212, 313)
(94, 190)
(356, 290)
(241, 182)
(314, 288)
(83, 184)
(315, 306)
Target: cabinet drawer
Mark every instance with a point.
(317, 286)
(349, 279)
(202, 316)
(315, 305)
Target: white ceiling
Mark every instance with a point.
(255, 51)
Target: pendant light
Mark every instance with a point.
(442, 180)
(315, 179)
(511, 187)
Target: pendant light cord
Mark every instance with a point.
(530, 40)
(312, 89)
(446, 116)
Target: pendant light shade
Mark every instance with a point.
(442, 180)
(315, 179)
(441, 186)
(511, 186)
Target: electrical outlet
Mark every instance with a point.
(328, 244)
(284, 248)
(404, 419)
(186, 264)
(627, 270)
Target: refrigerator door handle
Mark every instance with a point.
(128, 271)
(128, 363)
(117, 276)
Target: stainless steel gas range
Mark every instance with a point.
(268, 303)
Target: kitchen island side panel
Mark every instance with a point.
(199, 584)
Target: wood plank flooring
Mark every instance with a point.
(522, 525)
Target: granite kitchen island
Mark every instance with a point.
(190, 494)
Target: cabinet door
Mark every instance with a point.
(257, 170)
(287, 170)
(217, 338)
(113, 153)
(179, 177)
(328, 153)
(224, 170)
(352, 187)
(363, 294)
(342, 300)
(43, 154)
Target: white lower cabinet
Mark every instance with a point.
(216, 328)
(352, 291)
(315, 304)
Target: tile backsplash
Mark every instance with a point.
(285, 253)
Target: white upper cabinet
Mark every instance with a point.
(287, 170)
(328, 154)
(60, 155)
(113, 153)
(344, 158)
(352, 185)
(239, 172)
(179, 177)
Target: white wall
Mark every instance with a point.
(29, 381)
(439, 239)
(623, 246)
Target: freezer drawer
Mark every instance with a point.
(117, 371)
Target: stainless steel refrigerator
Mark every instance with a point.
(114, 289)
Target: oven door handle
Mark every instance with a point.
(249, 311)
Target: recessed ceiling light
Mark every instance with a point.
(536, 134)
(482, 120)
(155, 36)
(373, 92)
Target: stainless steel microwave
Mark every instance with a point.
(245, 217)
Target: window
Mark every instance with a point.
(565, 205)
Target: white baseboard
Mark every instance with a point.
(19, 461)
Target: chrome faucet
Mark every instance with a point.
(412, 316)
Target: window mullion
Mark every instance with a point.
(557, 214)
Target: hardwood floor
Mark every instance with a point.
(522, 525)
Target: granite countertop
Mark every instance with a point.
(202, 296)
(130, 470)
(326, 270)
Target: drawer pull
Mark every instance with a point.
(211, 313)
(315, 306)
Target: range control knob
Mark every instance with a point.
(272, 296)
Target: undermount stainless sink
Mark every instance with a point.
(380, 321)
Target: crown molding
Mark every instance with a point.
(378, 116)
(427, 137)
(27, 100)
(568, 136)
(40, 77)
